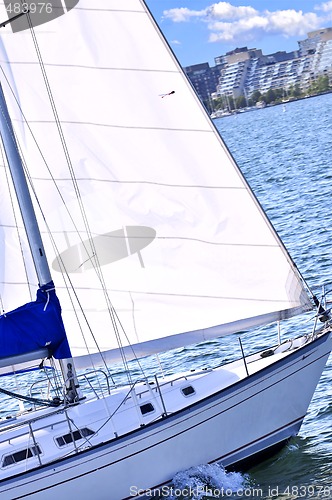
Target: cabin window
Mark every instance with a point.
(21, 455)
(75, 435)
(146, 408)
(188, 391)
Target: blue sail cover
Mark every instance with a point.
(34, 326)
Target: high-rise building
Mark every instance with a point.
(243, 71)
(204, 79)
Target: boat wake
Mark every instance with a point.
(204, 481)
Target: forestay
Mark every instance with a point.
(147, 209)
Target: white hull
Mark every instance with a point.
(229, 426)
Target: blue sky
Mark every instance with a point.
(200, 30)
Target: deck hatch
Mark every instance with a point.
(146, 408)
(188, 391)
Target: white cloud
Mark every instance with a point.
(220, 10)
(242, 30)
(325, 7)
(291, 22)
(183, 14)
(242, 24)
(224, 10)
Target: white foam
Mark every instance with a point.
(199, 482)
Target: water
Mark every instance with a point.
(286, 158)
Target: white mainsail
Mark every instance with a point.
(148, 212)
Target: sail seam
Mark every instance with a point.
(126, 127)
(131, 11)
(193, 295)
(95, 68)
(151, 183)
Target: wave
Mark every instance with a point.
(202, 482)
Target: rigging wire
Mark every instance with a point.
(64, 272)
(97, 267)
(114, 317)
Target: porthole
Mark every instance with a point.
(21, 455)
(75, 435)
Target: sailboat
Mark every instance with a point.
(128, 230)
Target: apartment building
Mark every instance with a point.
(244, 71)
(205, 79)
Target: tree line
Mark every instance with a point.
(272, 96)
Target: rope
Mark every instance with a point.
(44, 402)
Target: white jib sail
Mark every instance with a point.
(146, 207)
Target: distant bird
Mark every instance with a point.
(169, 93)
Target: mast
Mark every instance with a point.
(31, 226)
(23, 194)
